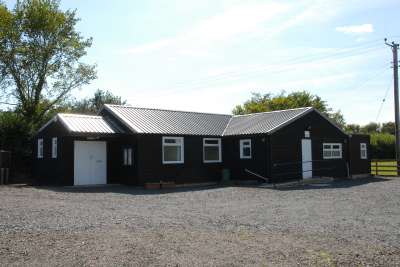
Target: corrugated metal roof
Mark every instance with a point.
(263, 122)
(78, 123)
(159, 121)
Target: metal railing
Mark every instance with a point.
(294, 170)
(298, 165)
(384, 167)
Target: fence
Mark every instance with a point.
(384, 167)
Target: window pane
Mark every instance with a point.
(170, 141)
(211, 142)
(336, 153)
(246, 151)
(211, 153)
(172, 153)
(336, 147)
(327, 146)
(130, 156)
(327, 153)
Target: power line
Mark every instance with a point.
(359, 49)
(383, 101)
(290, 63)
(201, 84)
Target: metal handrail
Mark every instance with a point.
(258, 175)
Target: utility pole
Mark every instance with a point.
(395, 48)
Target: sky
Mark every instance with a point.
(210, 55)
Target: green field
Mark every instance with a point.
(383, 168)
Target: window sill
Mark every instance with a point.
(172, 162)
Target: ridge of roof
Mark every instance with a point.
(79, 115)
(170, 110)
(273, 111)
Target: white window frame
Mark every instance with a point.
(127, 156)
(363, 151)
(243, 146)
(332, 149)
(40, 148)
(181, 145)
(54, 147)
(212, 145)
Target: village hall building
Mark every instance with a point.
(130, 145)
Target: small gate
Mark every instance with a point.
(384, 167)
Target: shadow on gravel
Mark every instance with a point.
(335, 184)
(123, 189)
(134, 190)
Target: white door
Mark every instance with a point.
(90, 162)
(306, 156)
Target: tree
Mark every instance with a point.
(370, 128)
(353, 128)
(388, 127)
(270, 102)
(383, 146)
(94, 104)
(40, 53)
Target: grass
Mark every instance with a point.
(384, 168)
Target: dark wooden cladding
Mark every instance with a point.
(357, 164)
(193, 170)
(286, 156)
(277, 155)
(259, 157)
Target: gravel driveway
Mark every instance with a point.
(340, 223)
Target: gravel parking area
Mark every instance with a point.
(352, 223)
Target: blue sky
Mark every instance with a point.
(209, 55)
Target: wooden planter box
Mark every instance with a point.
(152, 186)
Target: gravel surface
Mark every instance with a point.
(352, 223)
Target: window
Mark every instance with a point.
(363, 151)
(211, 150)
(128, 156)
(245, 149)
(40, 148)
(172, 150)
(54, 147)
(332, 150)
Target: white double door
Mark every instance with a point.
(90, 162)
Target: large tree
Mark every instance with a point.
(269, 102)
(40, 57)
(92, 105)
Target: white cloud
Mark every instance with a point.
(150, 46)
(233, 22)
(363, 28)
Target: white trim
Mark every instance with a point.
(242, 146)
(363, 148)
(272, 111)
(331, 149)
(54, 147)
(279, 126)
(330, 121)
(127, 156)
(219, 145)
(124, 121)
(54, 119)
(40, 148)
(181, 145)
